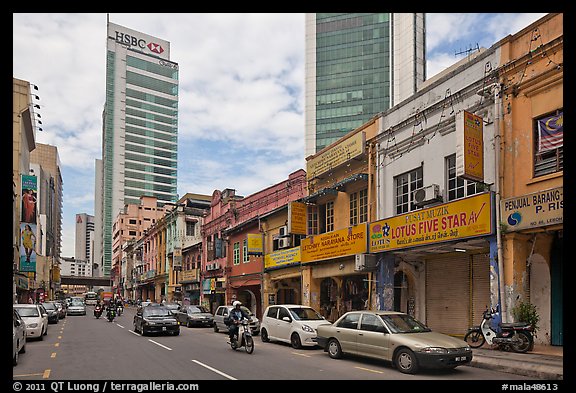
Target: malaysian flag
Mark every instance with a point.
(551, 132)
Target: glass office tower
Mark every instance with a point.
(358, 65)
(140, 129)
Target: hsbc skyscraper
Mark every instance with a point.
(139, 134)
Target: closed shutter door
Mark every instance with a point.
(448, 294)
(480, 287)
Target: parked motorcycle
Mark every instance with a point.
(98, 311)
(516, 336)
(111, 314)
(245, 335)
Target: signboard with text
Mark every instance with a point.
(341, 153)
(469, 146)
(297, 218)
(463, 218)
(282, 257)
(533, 210)
(255, 244)
(340, 243)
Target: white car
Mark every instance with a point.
(291, 323)
(36, 319)
(18, 336)
(76, 307)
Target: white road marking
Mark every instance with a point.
(133, 332)
(120, 325)
(213, 369)
(163, 346)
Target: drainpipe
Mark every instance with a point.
(498, 143)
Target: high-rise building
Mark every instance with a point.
(358, 65)
(140, 130)
(84, 240)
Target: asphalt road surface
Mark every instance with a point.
(86, 348)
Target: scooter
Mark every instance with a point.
(98, 311)
(245, 335)
(516, 336)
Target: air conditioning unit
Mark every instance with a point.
(284, 242)
(283, 231)
(365, 262)
(212, 266)
(426, 195)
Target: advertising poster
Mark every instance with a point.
(28, 247)
(29, 197)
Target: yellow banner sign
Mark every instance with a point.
(282, 257)
(297, 218)
(255, 246)
(470, 146)
(344, 151)
(334, 244)
(467, 217)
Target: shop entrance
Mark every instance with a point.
(329, 299)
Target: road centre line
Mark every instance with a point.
(53, 355)
(133, 332)
(46, 374)
(163, 346)
(367, 369)
(300, 354)
(120, 326)
(213, 369)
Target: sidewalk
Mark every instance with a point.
(544, 362)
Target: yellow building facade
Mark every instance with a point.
(531, 172)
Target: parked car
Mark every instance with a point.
(223, 311)
(52, 310)
(18, 336)
(76, 307)
(395, 337)
(291, 323)
(155, 319)
(193, 315)
(36, 319)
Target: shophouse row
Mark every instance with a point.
(443, 205)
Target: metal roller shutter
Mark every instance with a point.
(448, 294)
(480, 286)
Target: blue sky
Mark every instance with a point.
(241, 109)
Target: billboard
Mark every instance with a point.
(463, 218)
(254, 243)
(29, 192)
(297, 218)
(340, 243)
(28, 248)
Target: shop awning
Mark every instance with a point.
(325, 191)
(356, 177)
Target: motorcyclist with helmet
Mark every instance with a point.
(235, 316)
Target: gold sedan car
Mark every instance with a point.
(395, 337)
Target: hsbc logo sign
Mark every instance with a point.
(156, 48)
(130, 40)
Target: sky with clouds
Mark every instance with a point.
(241, 90)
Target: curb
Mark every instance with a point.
(526, 368)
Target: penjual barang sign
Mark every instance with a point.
(534, 210)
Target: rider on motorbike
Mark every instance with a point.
(111, 307)
(236, 315)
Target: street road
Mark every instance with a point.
(86, 348)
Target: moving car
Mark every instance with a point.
(223, 311)
(36, 319)
(395, 337)
(18, 336)
(155, 318)
(194, 316)
(76, 307)
(173, 307)
(52, 309)
(291, 323)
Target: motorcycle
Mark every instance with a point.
(111, 314)
(245, 335)
(120, 309)
(515, 336)
(98, 311)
